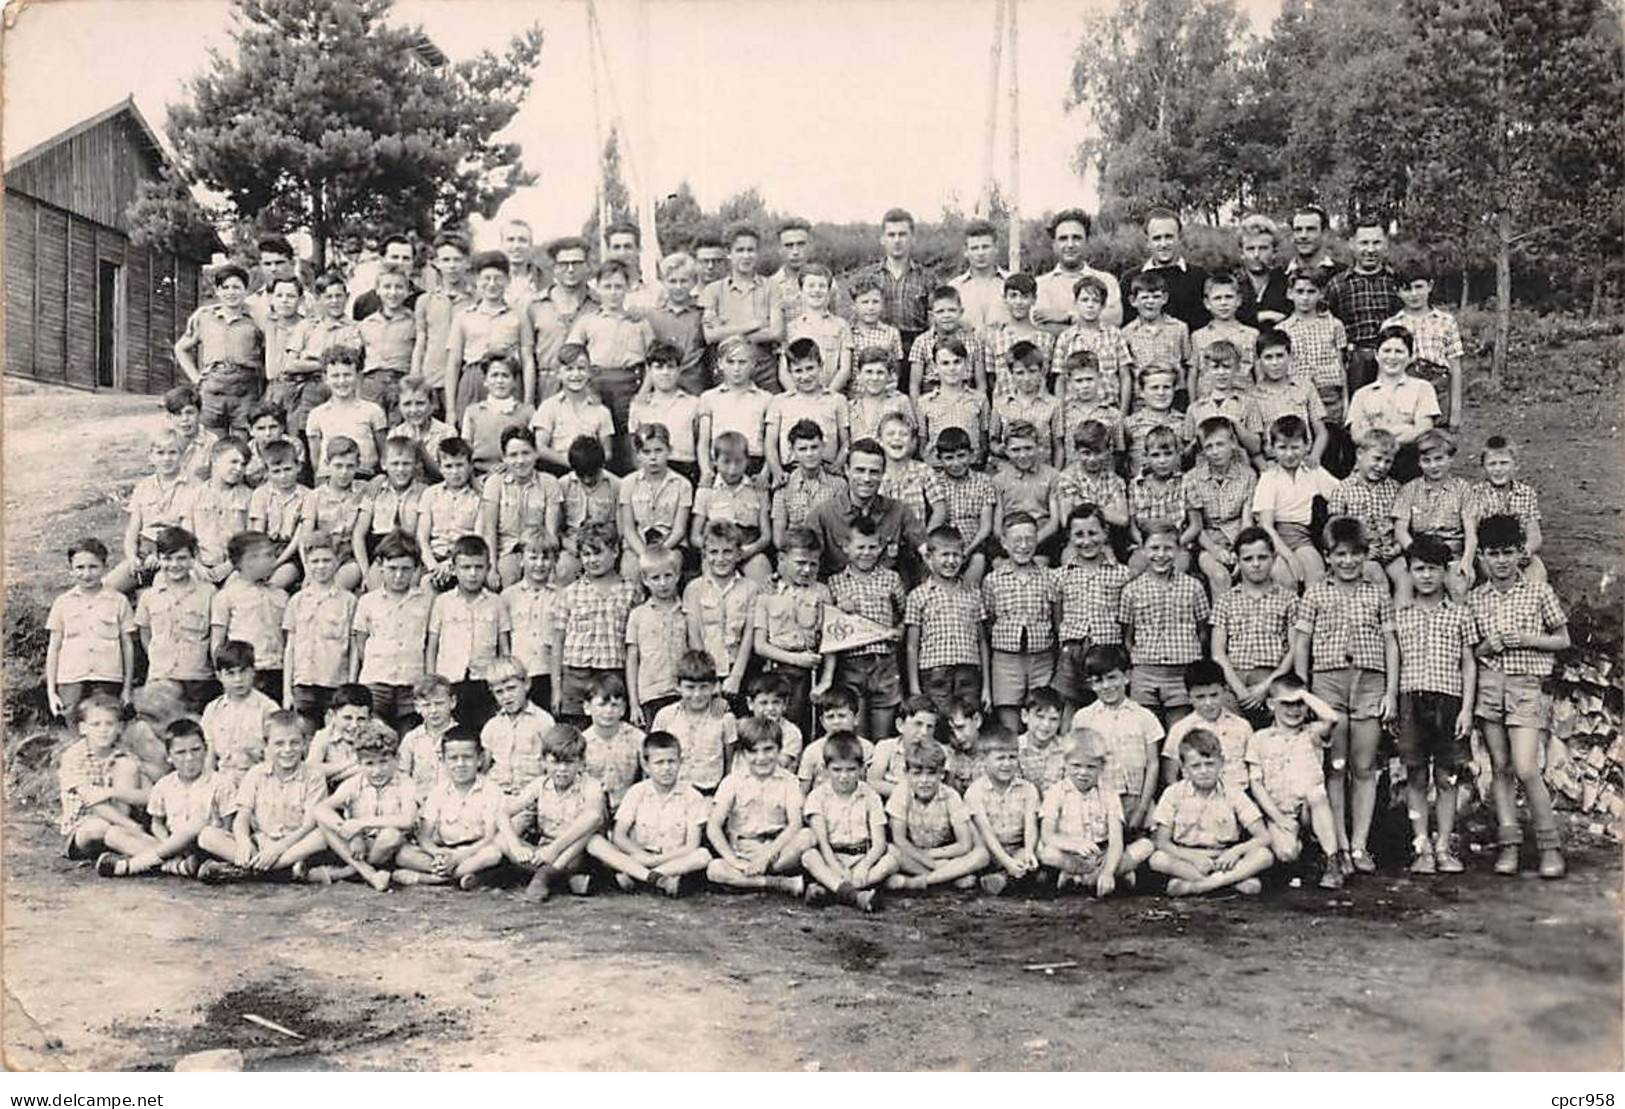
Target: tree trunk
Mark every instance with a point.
(1596, 294)
(318, 229)
(1466, 286)
(1503, 294)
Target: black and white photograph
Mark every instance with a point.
(818, 538)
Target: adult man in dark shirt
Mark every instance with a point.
(1162, 231)
(397, 251)
(905, 285)
(1264, 301)
(1309, 225)
(901, 531)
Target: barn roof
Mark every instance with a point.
(143, 130)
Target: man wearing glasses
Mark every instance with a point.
(552, 312)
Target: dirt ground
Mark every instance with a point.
(1472, 973)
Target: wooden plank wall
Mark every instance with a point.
(93, 174)
(20, 302)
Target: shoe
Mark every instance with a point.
(1507, 861)
(671, 885)
(1361, 860)
(469, 882)
(625, 882)
(1252, 887)
(1345, 864)
(1448, 863)
(968, 882)
(580, 884)
(1332, 877)
(213, 872)
(815, 894)
(993, 884)
(107, 864)
(867, 900)
(1551, 863)
(1424, 863)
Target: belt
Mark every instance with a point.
(299, 377)
(850, 848)
(383, 370)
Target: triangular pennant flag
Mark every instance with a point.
(844, 631)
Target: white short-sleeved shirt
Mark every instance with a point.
(759, 808)
(1233, 731)
(1291, 496)
(454, 816)
(1005, 810)
(847, 817)
(356, 419)
(357, 798)
(1130, 733)
(659, 820)
(92, 624)
(207, 799)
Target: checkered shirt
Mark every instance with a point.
(877, 595)
(1239, 408)
(1439, 508)
(997, 342)
(1079, 486)
(965, 497)
(1431, 638)
(594, 621)
(1111, 350)
(950, 617)
(1205, 820)
(1288, 763)
(1005, 810)
(923, 353)
(1152, 499)
(1042, 411)
(1130, 734)
(1026, 492)
(1233, 733)
(1164, 343)
(1020, 607)
(865, 413)
(802, 494)
(1371, 503)
(1318, 343)
(1294, 397)
(1257, 627)
(882, 335)
(1527, 607)
(939, 410)
(1042, 766)
(906, 299)
(1435, 333)
(1074, 414)
(1363, 301)
(1139, 424)
(1069, 811)
(1163, 613)
(1517, 499)
(929, 823)
(1089, 602)
(1244, 338)
(1346, 626)
(1220, 498)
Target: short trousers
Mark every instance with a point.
(1427, 731)
(301, 393)
(226, 393)
(653, 706)
(1295, 536)
(1159, 685)
(391, 703)
(195, 692)
(541, 690)
(311, 701)
(1515, 700)
(876, 677)
(269, 682)
(689, 470)
(72, 693)
(383, 388)
(574, 683)
(475, 705)
(1293, 788)
(1351, 690)
(850, 853)
(1014, 674)
(1071, 680)
(798, 705)
(1261, 717)
(947, 684)
(752, 847)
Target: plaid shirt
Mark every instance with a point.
(923, 354)
(1163, 614)
(1288, 763)
(1042, 766)
(1028, 492)
(1139, 424)
(913, 484)
(1431, 639)
(1005, 809)
(928, 823)
(1440, 508)
(1020, 603)
(1527, 608)
(1167, 342)
(1089, 601)
(1070, 812)
(1371, 503)
(802, 494)
(1294, 396)
(594, 617)
(1347, 627)
(1318, 343)
(882, 335)
(1041, 410)
(877, 595)
(997, 342)
(1110, 349)
(1363, 301)
(1079, 486)
(1435, 333)
(1257, 627)
(1220, 498)
(1130, 734)
(1233, 733)
(1152, 499)
(906, 299)
(965, 499)
(1076, 413)
(1210, 820)
(1517, 499)
(950, 617)
(966, 409)
(1239, 408)
(865, 413)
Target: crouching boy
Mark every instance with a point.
(931, 830)
(1284, 769)
(567, 808)
(849, 857)
(1200, 827)
(366, 819)
(658, 824)
(458, 820)
(1080, 827)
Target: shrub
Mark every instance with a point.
(26, 639)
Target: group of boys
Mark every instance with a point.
(1100, 546)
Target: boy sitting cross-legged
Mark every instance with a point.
(366, 818)
(99, 782)
(188, 805)
(1081, 824)
(755, 825)
(659, 824)
(1284, 765)
(566, 808)
(1004, 809)
(457, 821)
(275, 825)
(1200, 826)
(848, 856)
(932, 835)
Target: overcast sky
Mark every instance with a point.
(835, 109)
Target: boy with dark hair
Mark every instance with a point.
(701, 722)
(1153, 338)
(469, 628)
(947, 645)
(389, 630)
(1129, 734)
(589, 636)
(248, 609)
(1204, 681)
(788, 620)
(92, 635)
(874, 592)
(566, 809)
(1252, 626)
(231, 350)
(173, 620)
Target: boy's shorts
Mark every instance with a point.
(751, 848)
(1295, 536)
(651, 708)
(1351, 690)
(383, 388)
(269, 682)
(475, 705)
(1158, 685)
(1261, 717)
(1071, 680)
(1515, 700)
(74, 692)
(875, 677)
(946, 684)
(574, 683)
(311, 701)
(850, 854)
(1015, 674)
(1427, 731)
(689, 469)
(1086, 867)
(226, 393)
(391, 703)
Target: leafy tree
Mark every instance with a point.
(617, 198)
(328, 117)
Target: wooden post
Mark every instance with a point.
(990, 126)
(649, 235)
(597, 125)
(33, 352)
(67, 284)
(1015, 142)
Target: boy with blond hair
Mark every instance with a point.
(1081, 824)
(1207, 836)
(1004, 808)
(756, 826)
(931, 830)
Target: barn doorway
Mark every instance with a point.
(110, 326)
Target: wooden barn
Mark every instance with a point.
(84, 306)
